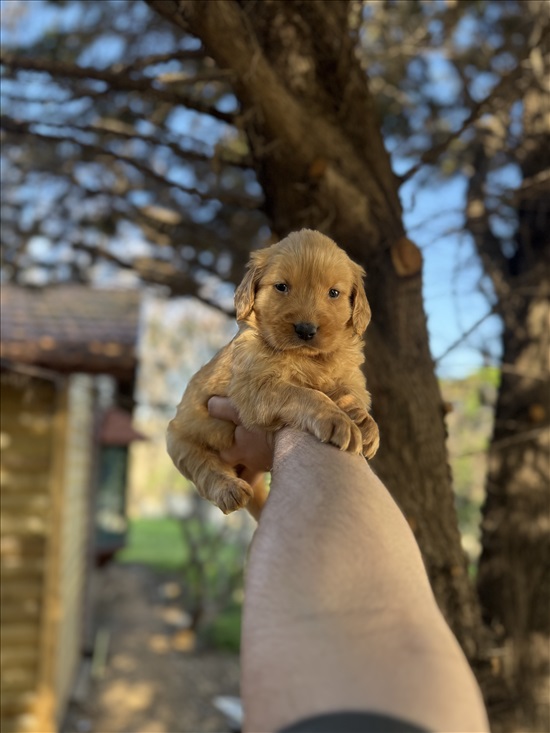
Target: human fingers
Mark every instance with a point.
(223, 409)
(253, 449)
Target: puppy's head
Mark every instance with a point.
(304, 293)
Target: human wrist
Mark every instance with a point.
(311, 526)
(324, 506)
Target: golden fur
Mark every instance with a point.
(273, 376)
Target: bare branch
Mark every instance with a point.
(159, 273)
(431, 156)
(160, 58)
(507, 80)
(531, 187)
(116, 80)
(125, 131)
(463, 336)
(24, 128)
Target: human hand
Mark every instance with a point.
(252, 451)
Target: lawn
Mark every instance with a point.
(154, 542)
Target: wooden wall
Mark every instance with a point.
(45, 436)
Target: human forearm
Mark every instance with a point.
(338, 611)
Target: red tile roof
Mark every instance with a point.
(70, 327)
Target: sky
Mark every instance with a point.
(451, 277)
(433, 218)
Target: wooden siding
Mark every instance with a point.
(46, 438)
(27, 438)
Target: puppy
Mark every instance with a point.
(302, 311)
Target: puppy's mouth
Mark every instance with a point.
(289, 336)
(320, 343)
(290, 340)
(306, 345)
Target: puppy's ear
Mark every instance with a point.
(246, 291)
(360, 308)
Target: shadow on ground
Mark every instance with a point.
(152, 680)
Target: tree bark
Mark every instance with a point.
(319, 156)
(514, 567)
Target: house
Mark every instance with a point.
(68, 363)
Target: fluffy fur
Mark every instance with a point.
(274, 376)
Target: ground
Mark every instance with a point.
(147, 676)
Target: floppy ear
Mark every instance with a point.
(246, 291)
(360, 308)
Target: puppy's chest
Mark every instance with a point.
(321, 376)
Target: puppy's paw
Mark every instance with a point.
(232, 494)
(365, 422)
(337, 428)
(371, 437)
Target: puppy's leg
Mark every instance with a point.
(273, 404)
(216, 481)
(202, 464)
(194, 441)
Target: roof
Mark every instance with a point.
(70, 328)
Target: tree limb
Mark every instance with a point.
(430, 157)
(24, 128)
(116, 80)
(158, 273)
(355, 175)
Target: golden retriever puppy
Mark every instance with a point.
(296, 361)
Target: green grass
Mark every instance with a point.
(154, 542)
(224, 632)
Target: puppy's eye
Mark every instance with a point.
(281, 287)
(333, 293)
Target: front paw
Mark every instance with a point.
(365, 422)
(337, 428)
(231, 494)
(371, 436)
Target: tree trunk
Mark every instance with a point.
(514, 568)
(319, 156)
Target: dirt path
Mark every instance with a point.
(152, 682)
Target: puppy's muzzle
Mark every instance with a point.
(305, 331)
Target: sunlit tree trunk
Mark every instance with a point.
(514, 568)
(319, 156)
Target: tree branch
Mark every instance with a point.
(463, 336)
(355, 176)
(125, 131)
(161, 58)
(154, 272)
(431, 156)
(24, 128)
(115, 80)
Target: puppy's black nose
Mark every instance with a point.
(305, 331)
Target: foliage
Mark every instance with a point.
(208, 557)
(224, 631)
(469, 421)
(213, 567)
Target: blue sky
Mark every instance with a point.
(451, 278)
